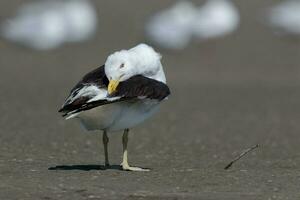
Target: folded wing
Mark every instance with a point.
(91, 92)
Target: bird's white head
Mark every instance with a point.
(140, 60)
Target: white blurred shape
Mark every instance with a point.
(286, 17)
(171, 28)
(45, 25)
(215, 18)
(175, 27)
(82, 19)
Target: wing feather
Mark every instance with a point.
(93, 85)
(91, 92)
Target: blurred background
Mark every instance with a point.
(233, 70)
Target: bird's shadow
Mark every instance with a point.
(85, 167)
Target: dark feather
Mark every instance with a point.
(96, 77)
(140, 86)
(134, 88)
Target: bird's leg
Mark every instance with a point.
(105, 142)
(125, 165)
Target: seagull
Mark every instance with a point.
(216, 18)
(171, 28)
(175, 27)
(46, 25)
(285, 17)
(119, 95)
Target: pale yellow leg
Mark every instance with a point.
(125, 165)
(105, 140)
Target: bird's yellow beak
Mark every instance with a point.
(112, 86)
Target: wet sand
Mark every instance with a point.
(227, 95)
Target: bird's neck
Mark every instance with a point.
(159, 75)
(148, 64)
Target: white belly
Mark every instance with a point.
(118, 116)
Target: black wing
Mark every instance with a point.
(137, 87)
(95, 78)
(142, 87)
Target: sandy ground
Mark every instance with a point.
(227, 95)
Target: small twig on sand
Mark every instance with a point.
(240, 156)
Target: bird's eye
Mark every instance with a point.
(122, 65)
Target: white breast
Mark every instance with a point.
(118, 116)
